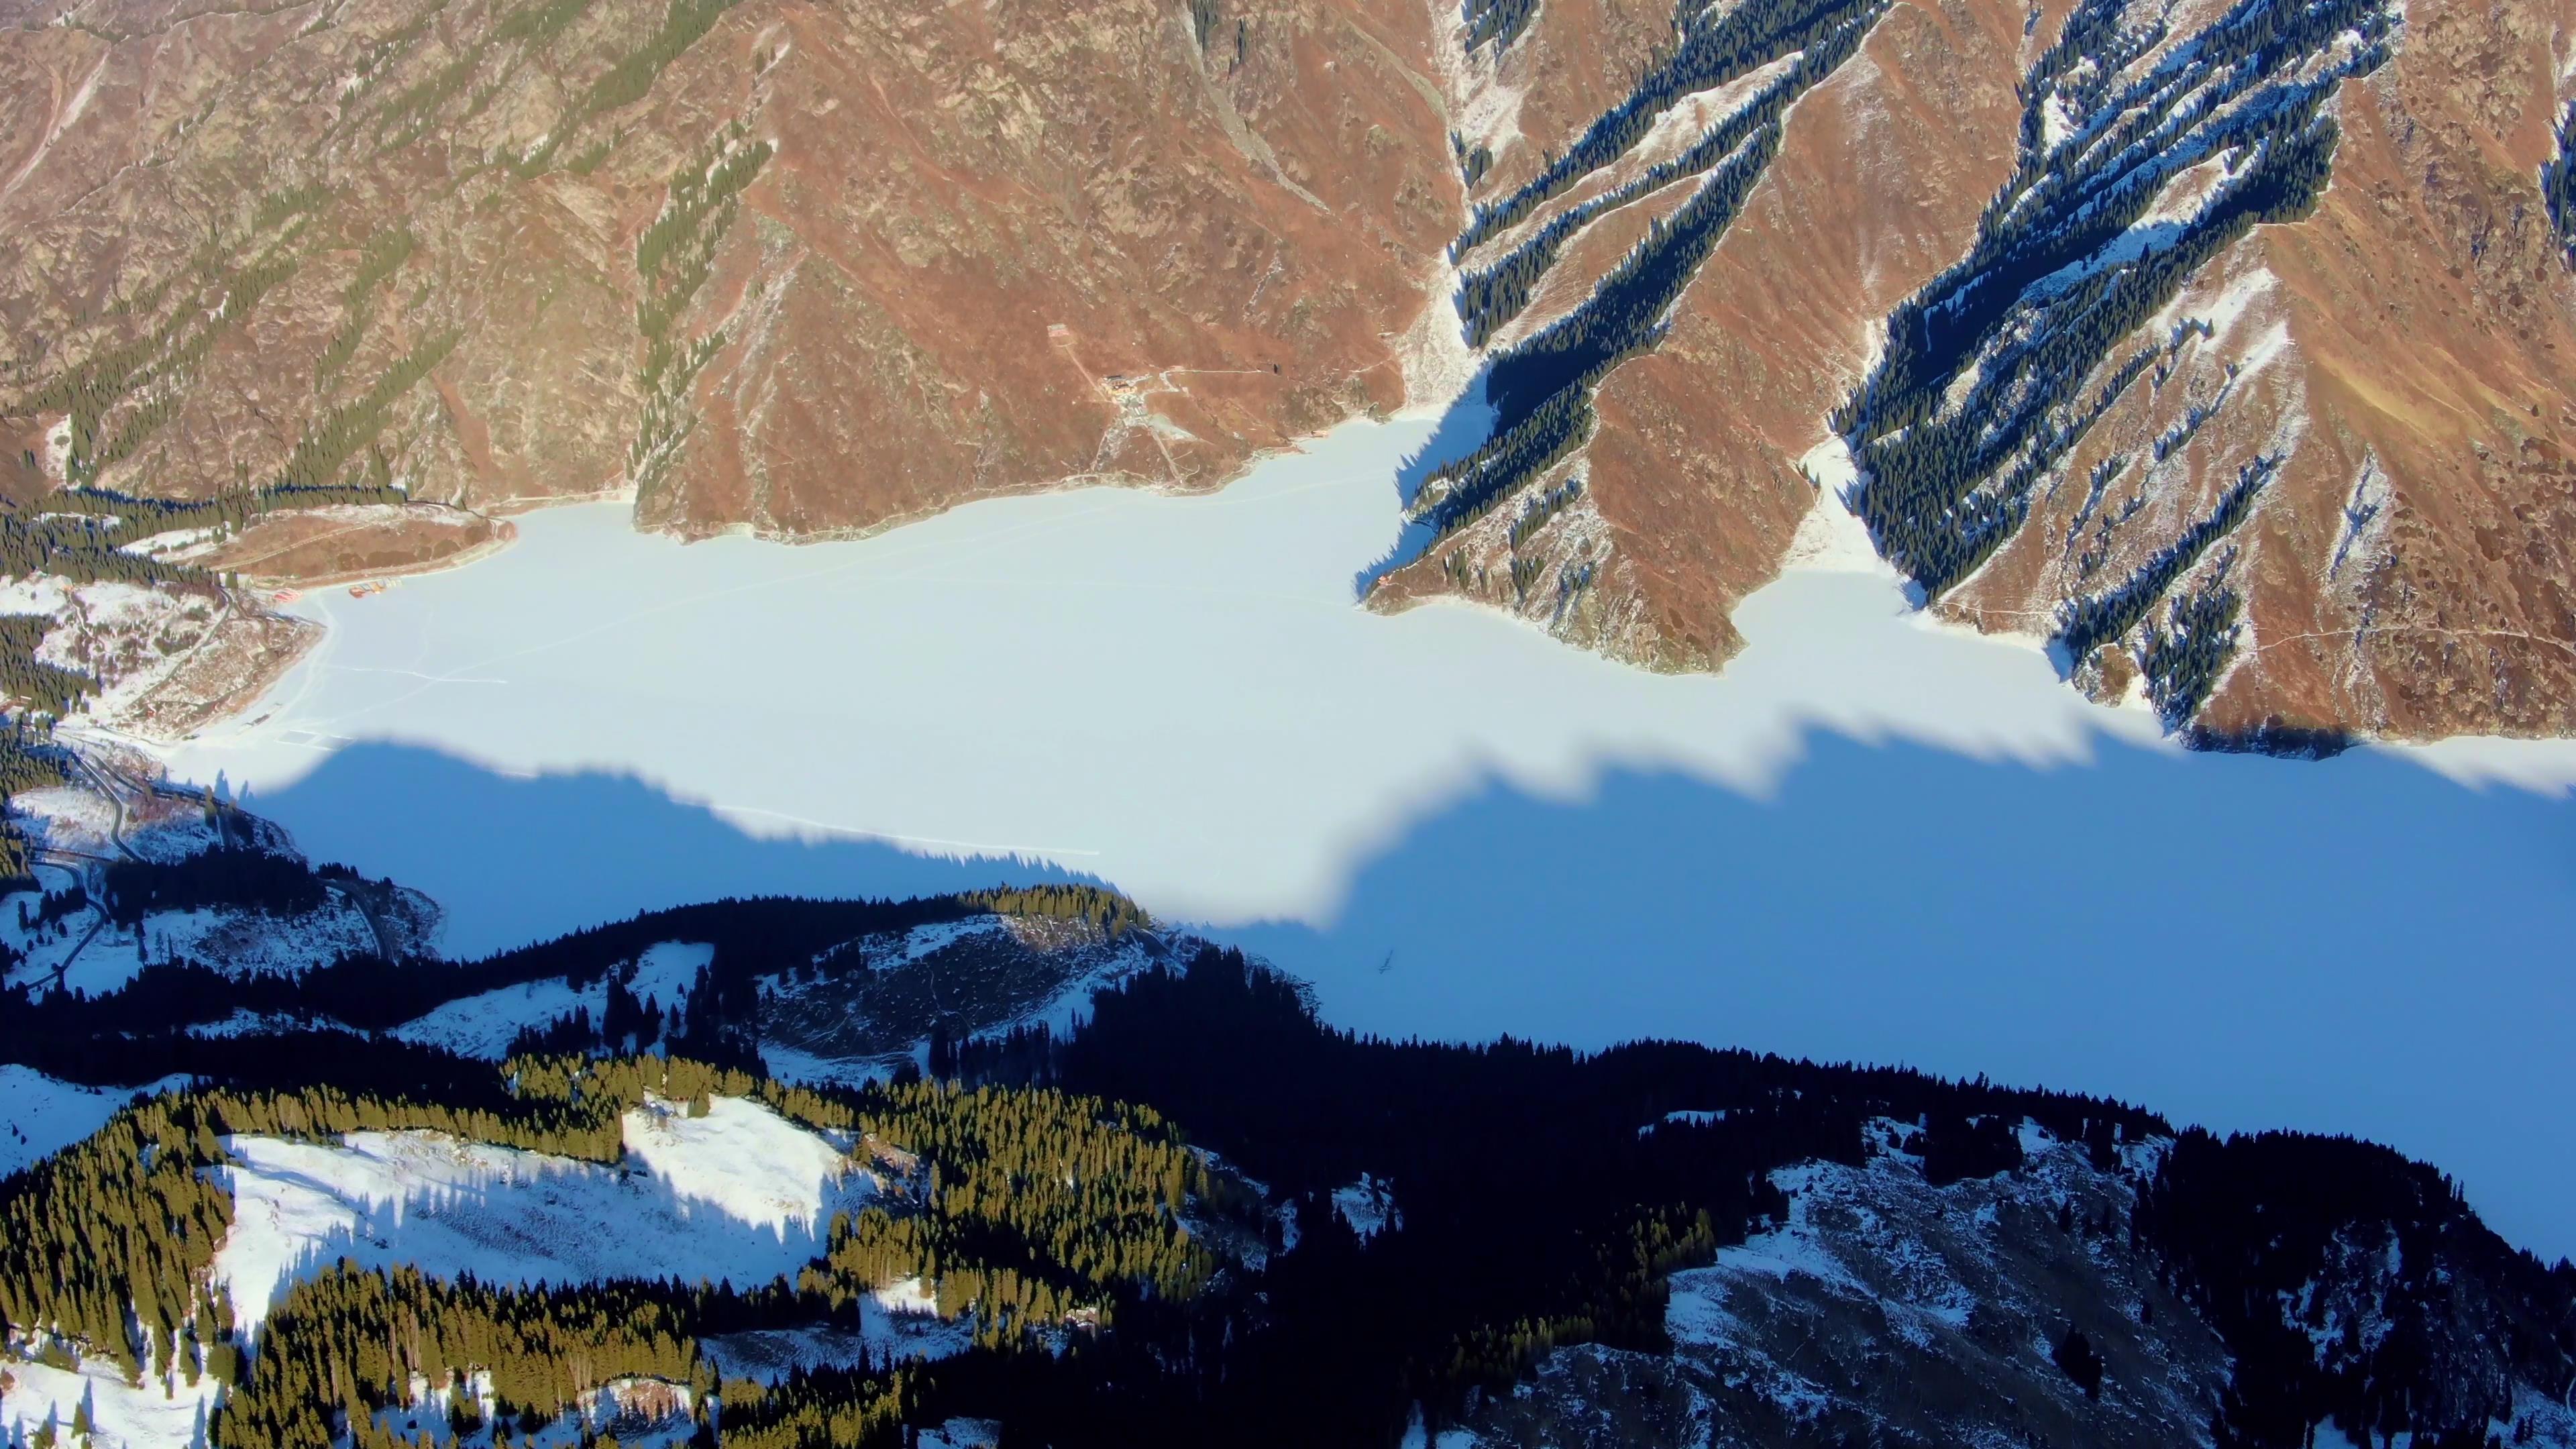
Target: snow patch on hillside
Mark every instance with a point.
(42, 1115)
(122, 1415)
(484, 1025)
(665, 972)
(1831, 538)
(744, 1160)
(738, 1195)
(1368, 1205)
(246, 943)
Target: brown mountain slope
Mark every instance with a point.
(2408, 574)
(2384, 360)
(809, 269)
(2222, 348)
(1692, 485)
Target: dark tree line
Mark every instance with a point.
(1541, 389)
(1944, 486)
(1235, 1054)
(240, 876)
(2088, 621)
(1713, 48)
(147, 1017)
(1492, 296)
(2183, 657)
(1052, 1193)
(2289, 1245)
(1498, 21)
(31, 683)
(2558, 184)
(1035, 1212)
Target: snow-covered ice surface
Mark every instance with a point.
(40, 1115)
(1869, 837)
(739, 1195)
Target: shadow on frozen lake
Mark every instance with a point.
(1868, 837)
(2353, 946)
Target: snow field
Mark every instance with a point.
(168, 1415)
(740, 1195)
(41, 1115)
(485, 1024)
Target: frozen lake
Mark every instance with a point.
(1871, 837)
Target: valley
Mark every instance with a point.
(1339, 791)
(761, 724)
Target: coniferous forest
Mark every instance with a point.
(1136, 1220)
(1982, 391)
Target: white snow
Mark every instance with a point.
(1830, 539)
(664, 973)
(246, 943)
(739, 1195)
(1177, 695)
(908, 1297)
(484, 1025)
(123, 1416)
(559, 655)
(2241, 293)
(2267, 349)
(742, 1159)
(1369, 1206)
(41, 1115)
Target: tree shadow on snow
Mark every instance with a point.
(1463, 428)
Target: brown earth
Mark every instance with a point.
(975, 221)
(1693, 468)
(334, 545)
(2430, 349)
(815, 270)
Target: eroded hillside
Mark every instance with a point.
(2216, 347)
(805, 269)
(2219, 348)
